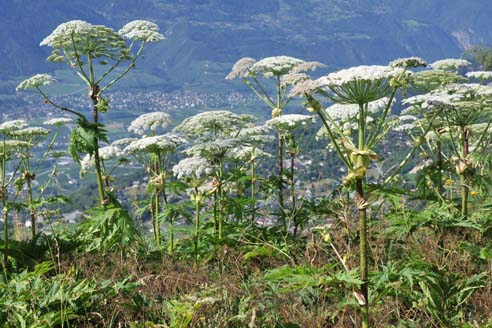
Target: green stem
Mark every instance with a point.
(464, 175)
(220, 196)
(280, 157)
(65, 109)
(32, 212)
(253, 200)
(97, 159)
(197, 223)
(293, 189)
(373, 139)
(363, 254)
(361, 205)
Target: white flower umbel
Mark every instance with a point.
(192, 168)
(408, 62)
(31, 132)
(110, 152)
(450, 64)
(9, 126)
(74, 39)
(64, 32)
(11, 147)
(275, 66)
(35, 81)
(212, 149)
(241, 68)
(361, 73)
(260, 134)
(214, 122)
(149, 121)
(58, 121)
(293, 79)
(308, 86)
(290, 122)
(480, 75)
(141, 30)
(356, 85)
(123, 142)
(155, 144)
(247, 153)
(282, 65)
(105, 153)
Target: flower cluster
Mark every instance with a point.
(58, 121)
(141, 30)
(9, 126)
(293, 79)
(215, 122)
(275, 66)
(192, 168)
(241, 68)
(123, 142)
(64, 31)
(260, 134)
(105, 153)
(75, 38)
(270, 67)
(480, 75)
(33, 131)
(405, 123)
(246, 153)
(408, 62)
(215, 148)
(290, 122)
(149, 121)
(361, 73)
(155, 144)
(35, 81)
(450, 64)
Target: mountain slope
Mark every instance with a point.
(205, 37)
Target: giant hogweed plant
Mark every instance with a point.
(100, 57)
(358, 86)
(288, 125)
(459, 133)
(31, 165)
(217, 133)
(19, 169)
(155, 153)
(195, 171)
(285, 71)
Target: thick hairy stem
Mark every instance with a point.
(253, 200)
(363, 253)
(152, 216)
(157, 221)
(293, 189)
(221, 199)
(32, 213)
(197, 223)
(361, 205)
(464, 175)
(280, 156)
(439, 163)
(97, 160)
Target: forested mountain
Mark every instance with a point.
(205, 37)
